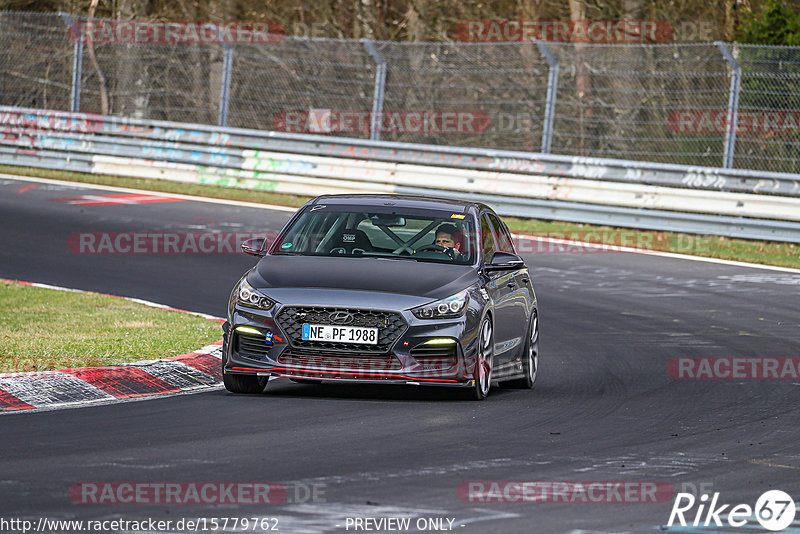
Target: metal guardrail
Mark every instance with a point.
(68, 125)
(735, 203)
(702, 103)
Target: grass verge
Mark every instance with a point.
(47, 329)
(765, 252)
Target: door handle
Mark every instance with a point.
(511, 284)
(525, 280)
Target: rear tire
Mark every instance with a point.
(530, 362)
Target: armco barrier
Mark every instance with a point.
(738, 203)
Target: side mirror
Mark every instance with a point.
(256, 246)
(504, 261)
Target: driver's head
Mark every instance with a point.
(445, 237)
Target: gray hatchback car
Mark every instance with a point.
(384, 289)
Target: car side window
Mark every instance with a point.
(501, 234)
(487, 234)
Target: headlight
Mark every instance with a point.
(247, 296)
(443, 309)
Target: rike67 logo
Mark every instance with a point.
(774, 511)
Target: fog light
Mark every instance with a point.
(441, 341)
(248, 330)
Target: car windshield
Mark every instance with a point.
(394, 233)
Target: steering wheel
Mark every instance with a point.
(450, 252)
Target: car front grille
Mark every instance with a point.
(391, 326)
(334, 363)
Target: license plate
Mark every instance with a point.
(340, 334)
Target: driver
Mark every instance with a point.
(445, 237)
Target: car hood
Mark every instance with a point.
(404, 277)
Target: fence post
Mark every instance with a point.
(77, 64)
(733, 104)
(380, 88)
(225, 89)
(550, 102)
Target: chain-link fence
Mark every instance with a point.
(666, 103)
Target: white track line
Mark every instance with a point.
(131, 299)
(115, 400)
(79, 185)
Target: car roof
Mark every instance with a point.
(404, 201)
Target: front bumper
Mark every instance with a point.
(406, 357)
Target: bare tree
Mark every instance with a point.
(583, 79)
(104, 108)
(131, 98)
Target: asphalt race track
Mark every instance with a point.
(604, 407)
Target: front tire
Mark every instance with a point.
(484, 362)
(248, 384)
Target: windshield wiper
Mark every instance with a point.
(387, 256)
